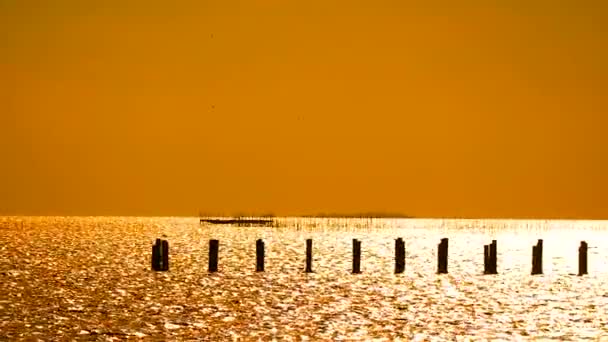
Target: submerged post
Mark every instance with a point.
(442, 256)
(160, 255)
(214, 247)
(156, 253)
(399, 256)
(356, 256)
(490, 264)
(259, 255)
(486, 259)
(582, 258)
(308, 256)
(494, 256)
(164, 255)
(537, 258)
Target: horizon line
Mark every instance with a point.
(316, 216)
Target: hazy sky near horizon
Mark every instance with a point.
(430, 108)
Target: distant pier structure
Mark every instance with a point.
(239, 221)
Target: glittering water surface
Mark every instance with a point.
(90, 278)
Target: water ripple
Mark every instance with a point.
(65, 278)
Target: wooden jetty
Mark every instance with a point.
(240, 221)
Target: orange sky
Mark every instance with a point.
(431, 108)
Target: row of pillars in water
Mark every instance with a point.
(160, 256)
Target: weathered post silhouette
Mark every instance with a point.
(165, 255)
(308, 256)
(582, 258)
(537, 258)
(156, 253)
(356, 256)
(160, 255)
(486, 259)
(214, 247)
(442, 256)
(494, 257)
(399, 256)
(259, 255)
(489, 258)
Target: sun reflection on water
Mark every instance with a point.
(66, 277)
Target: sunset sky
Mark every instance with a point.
(429, 108)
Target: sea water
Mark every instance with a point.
(89, 278)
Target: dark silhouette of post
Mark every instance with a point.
(493, 257)
(156, 253)
(259, 255)
(160, 255)
(537, 258)
(442, 256)
(582, 258)
(356, 256)
(308, 256)
(214, 247)
(165, 255)
(399, 255)
(489, 258)
(486, 259)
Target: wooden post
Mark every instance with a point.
(308, 255)
(259, 255)
(164, 247)
(582, 258)
(214, 247)
(537, 258)
(356, 256)
(442, 257)
(160, 255)
(399, 256)
(539, 250)
(156, 253)
(491, 258)
(486, 259)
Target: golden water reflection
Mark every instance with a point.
(67, 277)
